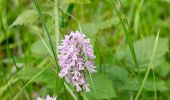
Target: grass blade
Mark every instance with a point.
(148, 69)
(46, 30)
(49, 38)
(46, 45)
(128, 37)
(16, 96)
(56, 24)
(70, 91)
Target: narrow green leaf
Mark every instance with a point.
(42, 47)
(31, 80)
(70, 91)
(27, 17)
(150, 66)
(57, 31)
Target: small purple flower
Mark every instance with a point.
(47, 98)
(76, 59)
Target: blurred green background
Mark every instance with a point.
(130, 37)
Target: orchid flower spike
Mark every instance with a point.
(76, 59)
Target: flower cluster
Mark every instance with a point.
(47, 98)
(76, 59)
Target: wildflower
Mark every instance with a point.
(47, 98)
(76, 59)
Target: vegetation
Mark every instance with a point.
(130, 39)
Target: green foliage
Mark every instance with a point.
(47, 77)
(39, 48)
(42, 46)
(133, 85)
(26, 18)
(143, 50)
(119, 75)
(75, 1)
(163, 70)
(113, 27)
(93, 28)
(103, 87)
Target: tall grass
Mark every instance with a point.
(150, 66)
(118, 62)
(49, 38)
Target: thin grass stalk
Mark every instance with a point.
(49, 38)
(10, 55)
(148, 68)
(121, 4)
(46, 30)
(154, 83)
(11, 80)
(57, 32)
(16, 96)
(71, 93)
(137, 18)
(57, 35)
(46, 45)
(8, 86)
(67, 87)
(128, 37)
(4, 27)
(70, 15)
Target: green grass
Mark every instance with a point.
(130, 40)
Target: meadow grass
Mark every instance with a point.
(130, 39)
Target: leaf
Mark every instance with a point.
(19, 60)
(47, 77)
(118, 75)
(92, 28)
(133, 85)
(103, 87)
(41, 48)
(27, 17)
(167, 1)
(70, 91)
(164, 69)
(143, 50)
(3, 4)
(160, 86)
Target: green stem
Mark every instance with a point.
(154, 82)
(46, 30)
(56, 24)
(148, 68)
(48, 34)
(16, 96)
(128, 38)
